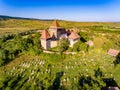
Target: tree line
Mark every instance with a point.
(12, 48)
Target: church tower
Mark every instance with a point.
(45, 39)
(55, 30)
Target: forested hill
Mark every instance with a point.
(10, 21)
(4, 17)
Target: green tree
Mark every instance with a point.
(1, 42)
(76, 46)
(80, 46)
(83, 47)
(3, 56)
(63, 45)
(84, 36)
(36, 40)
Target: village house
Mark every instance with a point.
(49, 38)
(113, 52)
(90, 43)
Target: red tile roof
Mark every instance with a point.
(45, 35)
(73, 35)
(113, 52)
(113, 88)
(54, 24)
(90, 43)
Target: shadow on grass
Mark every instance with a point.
(110, 82)
(88, 83)
(117, 61)
(98, 73)
(82, 39)
(56, 83)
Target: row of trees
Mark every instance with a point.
(12, 36)
(11, 49)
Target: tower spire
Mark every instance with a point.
(55, 24)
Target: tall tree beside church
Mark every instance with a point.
(63, 45)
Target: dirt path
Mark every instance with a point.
(56, 52)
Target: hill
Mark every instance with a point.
(10, 24)
(4, 17)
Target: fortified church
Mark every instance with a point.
(49, 38)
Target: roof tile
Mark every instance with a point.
(113, 52)
(73, 35)
(45, 35)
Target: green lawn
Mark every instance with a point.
(27, 71)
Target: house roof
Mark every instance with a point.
(113, 52)
(73, 35)
(54, 24)
(45, 35)
(90, 43)
(113, 88)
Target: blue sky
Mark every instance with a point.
(74, 10)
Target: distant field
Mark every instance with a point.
(12, 30)
(16, 25)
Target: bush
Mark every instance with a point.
(80, 46)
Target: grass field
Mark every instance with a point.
(13, 30)
(33, 69)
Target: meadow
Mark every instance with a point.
(49, 71)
